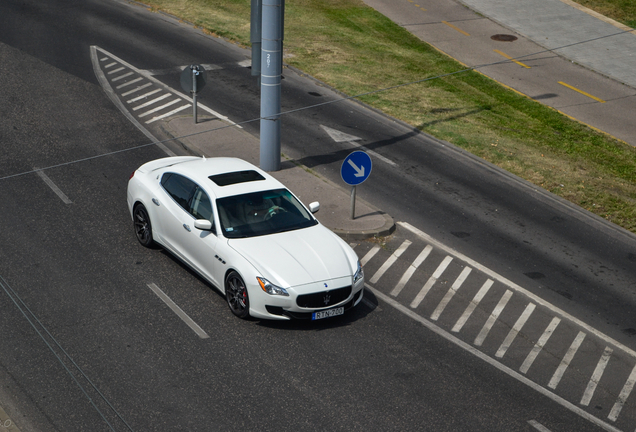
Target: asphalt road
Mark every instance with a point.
(76, 263)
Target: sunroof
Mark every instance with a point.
(236, 177)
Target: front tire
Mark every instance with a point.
(143, 227)
(236, 295)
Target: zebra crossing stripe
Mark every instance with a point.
(622, 397)
(472, 305)
(389, 262)
(409, 271)
(429, 284)
(539, 345)
(558, 374)
(503, 301)
(451, 292)
(514, 331)
(596, 377)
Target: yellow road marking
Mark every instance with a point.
(582, 92)
(510, 58)
(453, 27)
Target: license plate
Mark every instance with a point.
(327, 313)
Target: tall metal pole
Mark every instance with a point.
(256, 24)
(271, 70)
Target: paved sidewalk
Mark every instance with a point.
(335, 201)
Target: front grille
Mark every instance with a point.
(323, 299)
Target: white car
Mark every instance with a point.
(247, 234)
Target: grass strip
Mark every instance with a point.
(354, 49)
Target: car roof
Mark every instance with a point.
(201, 169)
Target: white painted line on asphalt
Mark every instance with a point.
(121, 77)
(514, 331)
(128, 83)
(409, 271)
(110, 65)
(533, 297)
(180, 313)
(539, 345)
(53, 186)
(374, 250)
(144, 105)
(168, 114)
(159, 108)
(389, 262)
(114, 71)
(472, 305)
(451, 292)
(145, 95)
(136, 89)
(596, 377)
(538, 426)
(492, 318)
(565, 363)
(474, 351)
(431, 281)
(622, 397)
(103, 59)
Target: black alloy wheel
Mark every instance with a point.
(143, 227)
(236, 295)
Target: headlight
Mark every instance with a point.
(270, 288)
(359, 273)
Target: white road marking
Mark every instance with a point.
(622, 397)
(53, 186)
(474, 351)
(389, 262)
(472, 305)
(114, 71)
(339, 137)
(514, 331)
(145, 95)
(121, 77)
(129, 83)
(539, 345)
(451, 292)
(136, 89)
(144, 105)
(596, 376)
(180, 313)
(409, 271)
(374, 250)
(538, 426)
(168, 114)
(159, 108)
(110, 65)
(503, 301)
(431, 281)
(565, 363)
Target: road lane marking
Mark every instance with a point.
(539, 345)
(159, 108)
(389, 262)
(472, 305)
(145, 95)
(110, 65)
(177, 310)
(126, 84)
(451, 292)
(374, 250)
(121, 77)
(558, 374)
(596, 377)
(168, 114)
(429, 284)
(538, 426)
(114, 71)
(494, 316)
(496, 364)
(53, 186)
(144, 105)
(582, 92)
(511, 59)
(455, 28)
(409, 271)
(622, 398)
(136, 89)
(514, 331)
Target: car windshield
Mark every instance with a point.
(261, 213)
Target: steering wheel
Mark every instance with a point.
(273, 211)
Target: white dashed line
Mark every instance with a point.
(53, 186)
(180, 313)
(538, 426)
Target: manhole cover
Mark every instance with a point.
(504, 38)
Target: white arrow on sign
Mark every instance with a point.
(359, 171)
(338, 137)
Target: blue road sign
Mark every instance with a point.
(356, 168)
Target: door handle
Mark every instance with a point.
(187, 228)
(155, 201)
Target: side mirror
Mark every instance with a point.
(314, 207)
(203, 225)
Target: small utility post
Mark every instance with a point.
(195, 72)
(271, 71)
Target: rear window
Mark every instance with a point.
(236, 177)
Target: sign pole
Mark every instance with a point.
(194, 93)
(353, 202)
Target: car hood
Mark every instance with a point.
(298, 257)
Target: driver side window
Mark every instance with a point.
(188, 195)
